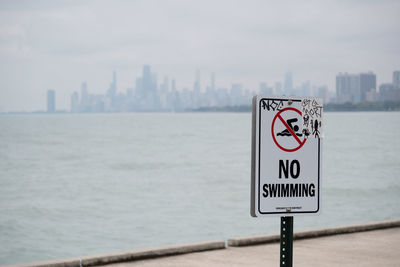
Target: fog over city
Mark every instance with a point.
(60, 44)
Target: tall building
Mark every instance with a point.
(288, 84)
(51, 101)
(208, 97)
(388, 92)
(278, 88)
(212, 81)
(323, 93)
(385, 91)
(367, 85)
(195, 99)
(84, 94)
(396, 79)
(196, 85)
(85, 105)
(265, 90)
(146, 91)
(75, 102)
(305, 89)
(112, 90)
(356, 87)
(236, 95)
(163, 93)
(146, 78)
(347, 88)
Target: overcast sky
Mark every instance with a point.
(59, 44)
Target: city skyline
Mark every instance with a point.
(287, 84)
(150, 95)
(57, 45)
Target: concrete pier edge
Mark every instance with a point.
(205, 246)
(128, 256)
(263, 239)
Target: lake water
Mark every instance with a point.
(76, 185)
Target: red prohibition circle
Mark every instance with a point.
(278, 115)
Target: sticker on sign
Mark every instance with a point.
(312, 117)
(286, 156)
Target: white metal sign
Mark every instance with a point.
(286, 156)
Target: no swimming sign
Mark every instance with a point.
(286, 155)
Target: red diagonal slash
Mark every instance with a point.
(290, 129)
(301, 143)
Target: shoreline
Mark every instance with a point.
(152, 253)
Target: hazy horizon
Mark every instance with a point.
(57, 45)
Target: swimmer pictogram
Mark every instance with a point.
(290, 129)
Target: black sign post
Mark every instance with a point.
(286, 258)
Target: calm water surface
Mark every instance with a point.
(75, 185)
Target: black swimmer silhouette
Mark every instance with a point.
(294, 128)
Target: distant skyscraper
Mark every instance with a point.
(265, 90)
(164, 87)
(278, 88)
(367, 84)
(147, 81)
(173, 86)
(138, 87)
(85, 99)
(212, 81)
(196, 102)
(305, 89)
(388, 92)
(355, 87)
(51, 101)
(84, 94)
(143, 83)
(75, 102)
(288, 84)
(163, 93)
(196, 86)
(396, 79)
(146, 91)
(236, 94)
(385, 90)
(323, 92)
(113, 86)
(347, 88)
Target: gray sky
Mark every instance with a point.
(59, 44)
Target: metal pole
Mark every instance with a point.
(286, 259)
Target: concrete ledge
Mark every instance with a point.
(253, 240)
(263, 239)
(128, 256)
(205, 246)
